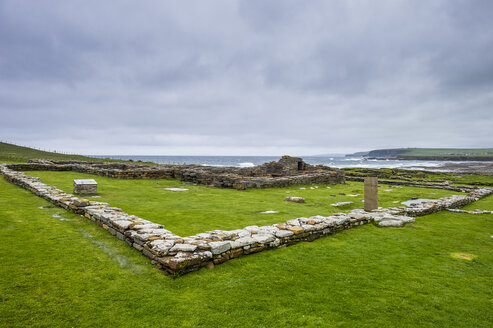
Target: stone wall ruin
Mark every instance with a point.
(176, 254)
(287, 171)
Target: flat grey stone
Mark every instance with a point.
(341, 204)
(244, 233)
(183, 248)
(293, 222)
(308, 227)
(147, 226)
(341, 220)
(262, 239)
(269, 230)
(161, 246)
(122, 224)
(218, 247)
(253, 228)
(391, 223)
(406, 219)
(284, 233)
(85, 182)
(242, 242)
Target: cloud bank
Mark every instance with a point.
(246, 77)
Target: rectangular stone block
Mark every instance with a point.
(371, 193)
(85, 186)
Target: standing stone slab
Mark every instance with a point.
(371, 193)
(85, 186)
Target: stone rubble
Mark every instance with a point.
(177, 254)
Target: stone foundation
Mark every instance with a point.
(176, 254)
(285, 172)
(445, 186)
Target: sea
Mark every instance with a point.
(249, 161)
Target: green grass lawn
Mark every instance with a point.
(203, 208)
(62, 270)
(483, 204)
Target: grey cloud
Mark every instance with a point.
(245, 76)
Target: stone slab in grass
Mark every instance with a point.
(295, 199)
(341, 204)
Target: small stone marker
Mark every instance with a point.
(85, 186)
(295, 199)
(371, 193)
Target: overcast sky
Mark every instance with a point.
(245, 77)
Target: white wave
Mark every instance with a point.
(215, 165)
(246, 164)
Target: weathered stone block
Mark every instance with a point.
(218, 247)
(284, 233)
(262, 239)
(183, 248)
(85, 186)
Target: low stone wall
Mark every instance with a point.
(174, 253)
(272, 174)
(437, 205)
(445, 186)
(469, 212)
(177, 254)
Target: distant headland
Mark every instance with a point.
(429, 154)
